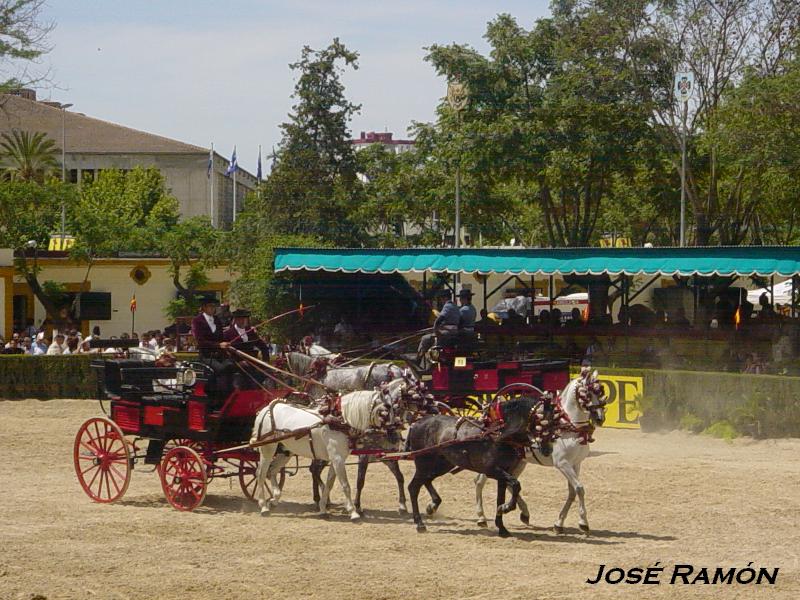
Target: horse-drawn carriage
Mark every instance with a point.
(174, 418)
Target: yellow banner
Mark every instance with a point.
(621, 392)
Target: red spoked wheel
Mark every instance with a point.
(247, 476)
(461, 407)
(517, 390)
(188, 443)
(102, 460)
(183, 478)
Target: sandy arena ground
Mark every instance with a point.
(673, 498)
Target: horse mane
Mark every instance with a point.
(518, 410)
(357, 408)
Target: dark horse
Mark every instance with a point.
(497, 455)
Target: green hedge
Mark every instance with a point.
(47, 377)
(758, 405)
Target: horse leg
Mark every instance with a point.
(279, 461)
(428, 468)
(436, 499)
(363, 464)
(338, 453)
(498, 518)
(480, 483)
(394, 467)
(315, 468)
(583, 522)
(267, 452)
(325, 492)
(573, 486)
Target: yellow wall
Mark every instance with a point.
(114, 276)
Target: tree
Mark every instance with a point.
(23, 34)
(29, 213)
(28, 156)
(719, 41)
(552, 110)
(312, 189)
(121, 211)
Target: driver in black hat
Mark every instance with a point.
(207, 332)
(243, 337)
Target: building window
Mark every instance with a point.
(73, 175)
(87, 176)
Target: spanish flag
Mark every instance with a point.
(133, 303)
(301, 309)
(585, 314)
(737, 317)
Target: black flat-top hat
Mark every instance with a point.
(208, 300)
(465, 293)
(240, 312)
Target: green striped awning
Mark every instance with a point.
(726, 260)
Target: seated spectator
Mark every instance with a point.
(544, 317)
(486, 320)
(660, 320)
(754, 365)
(12, 347)
(57, 347)
(41, 345)
(555, 318)
(680, 320)
(575, 318)
(27, 345)
(71, 345)
(30, 330)
(513, 319)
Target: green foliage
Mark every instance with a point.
(692, 423)
(26, 156)
(313, 189)
(723, 430)
(122, 211)
(24, 39)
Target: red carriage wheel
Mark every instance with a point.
(517, 390)
(188, 443)
(247, 476)
(183, 478)
(102, 460)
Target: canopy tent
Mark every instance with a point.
(783, 293)
(764, 261)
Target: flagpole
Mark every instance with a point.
(234, 195)
(213, 213)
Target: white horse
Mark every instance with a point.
(362, 410)
(344, 379)
(583, 406)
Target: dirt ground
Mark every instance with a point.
(673, 498)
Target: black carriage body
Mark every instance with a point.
(144, 408)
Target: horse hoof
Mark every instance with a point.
(355, 517)
(583, 527)
(402, 509)
(504, 533)
(421, 528)
(431, 508)
(525, 519)
(323, 515)
(558, 529)
(482, 524)
(264, 513)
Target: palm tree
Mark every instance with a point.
(27, 156)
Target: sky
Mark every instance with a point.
(216, 72)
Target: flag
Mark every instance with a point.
(301, 309)
(737, 318)
(585, 314)
(233, 166)
(210, 162)
(133, 303)
(258, 170)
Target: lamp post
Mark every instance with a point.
(64, 108)
(457, 99)
(684, 86)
